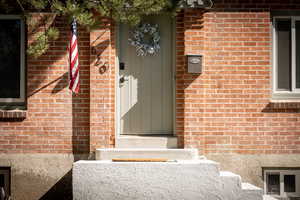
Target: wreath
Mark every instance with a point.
(139, 39)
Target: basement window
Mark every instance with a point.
(283, 184)
(5, 179)
(12, 59)
(273, 183)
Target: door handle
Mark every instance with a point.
(123, 79)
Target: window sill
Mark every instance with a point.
(285, 101)
(13, 114)
(287, 97)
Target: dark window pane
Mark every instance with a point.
(273, 184)
(283, 31)
(289, 183)
(2, 180)
(297, 54)
(10, 41)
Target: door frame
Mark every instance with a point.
(117, 88)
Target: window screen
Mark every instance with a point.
(283, 35)
(273, 184)
(289, 183)
(2, 180)
(10, 60)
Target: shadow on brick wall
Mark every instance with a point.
(38, 68)
(187, 22)
(81, 106)
(282, 108)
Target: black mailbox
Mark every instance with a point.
(195, 63)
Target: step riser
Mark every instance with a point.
(231, 184)
(250, 191)
(268, 197)
(169, 154)
(250, 195)
(146, 142)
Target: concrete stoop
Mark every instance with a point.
(189, 179)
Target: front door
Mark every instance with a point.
(146, 83)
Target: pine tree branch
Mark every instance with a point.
(125, 11)
(21, 5)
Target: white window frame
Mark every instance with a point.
(281, 178)
(22, 62)
(294, 93)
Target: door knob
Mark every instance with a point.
(123, 79)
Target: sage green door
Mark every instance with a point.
(146, 83)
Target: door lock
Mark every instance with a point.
(123, 79)
(122, 66)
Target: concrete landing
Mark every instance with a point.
(170, 154)
(189, 180)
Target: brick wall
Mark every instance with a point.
(228, 108)
(102, 86)
(57, 121)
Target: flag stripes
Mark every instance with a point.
(73, 60)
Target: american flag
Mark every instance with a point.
(73, 60)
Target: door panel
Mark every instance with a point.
(146, 95)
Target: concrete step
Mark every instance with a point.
(170, 154)
(234, 178)
(233, 187)
(230, 183)
(268, 197)
(250, 191)
(161, 141)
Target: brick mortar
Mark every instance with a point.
(227, 109)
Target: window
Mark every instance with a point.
(286, 47)
(12, 69)
(289, 183)
(5, 180)
(273, 186)
(283, 184)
